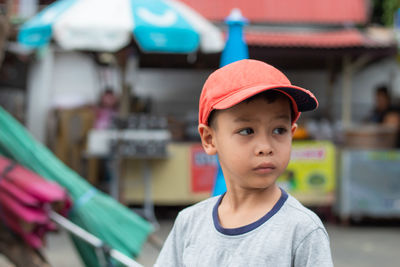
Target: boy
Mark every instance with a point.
(247, 116)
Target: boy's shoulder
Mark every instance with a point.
(298, 214)
(199, 209)
(197, 216)
(202, 206)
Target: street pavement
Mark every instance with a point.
(352, 246)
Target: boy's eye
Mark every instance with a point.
(280, 131)
(246, 131)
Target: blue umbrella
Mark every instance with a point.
(108, 25)
(235, 49)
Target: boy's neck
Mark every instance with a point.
(242, 207)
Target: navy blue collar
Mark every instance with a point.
(249, 227)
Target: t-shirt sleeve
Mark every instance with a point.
(314, 250)
(171, 252)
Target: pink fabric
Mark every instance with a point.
(103, 118)
(24, 201)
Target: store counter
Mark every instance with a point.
(174, 180)
(187, 175)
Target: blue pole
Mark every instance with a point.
(235, 47)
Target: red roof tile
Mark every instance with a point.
(286, 11)
(326, 39)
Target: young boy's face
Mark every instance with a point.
(252, 140)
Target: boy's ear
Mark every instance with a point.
(207, 135)
(294, 127)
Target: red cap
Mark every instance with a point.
(245, 78)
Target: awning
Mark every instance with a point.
(288, 48)
(341, 38)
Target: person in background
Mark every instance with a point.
(382, 105)
(385, 112)
(106, 109)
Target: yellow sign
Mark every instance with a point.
(311, 168)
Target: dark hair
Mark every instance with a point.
(270, 96)
(383, 89)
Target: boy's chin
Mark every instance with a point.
(260, 186)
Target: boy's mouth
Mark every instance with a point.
(264, 168)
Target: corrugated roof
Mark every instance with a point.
(286, 11)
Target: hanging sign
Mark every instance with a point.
(203, 169)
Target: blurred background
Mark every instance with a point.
(123, 114)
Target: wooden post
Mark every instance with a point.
(5, 28)
(125, 98)
(328, 110)
(349, 68)
(346, 90)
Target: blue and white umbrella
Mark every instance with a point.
(108, 25)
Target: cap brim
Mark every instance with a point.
(302, 99)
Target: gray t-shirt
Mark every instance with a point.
(288, 235)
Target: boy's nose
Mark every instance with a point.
(264, 149)
(265, 152)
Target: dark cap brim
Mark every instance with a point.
(302, 99)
